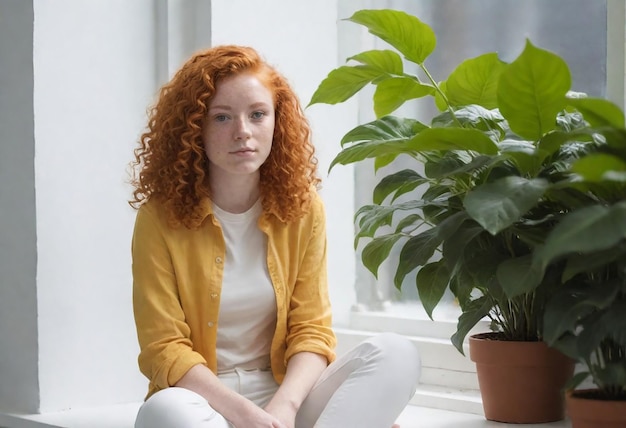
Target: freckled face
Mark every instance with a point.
(239, 129)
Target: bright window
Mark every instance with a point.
(574, 29)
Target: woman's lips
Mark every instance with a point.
(244, 151)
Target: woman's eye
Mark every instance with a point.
(258, 114)
(220, 117)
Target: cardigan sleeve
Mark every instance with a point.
(166, 352)
(309, 321)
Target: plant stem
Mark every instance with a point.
(438, 89)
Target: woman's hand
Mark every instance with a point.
(285, 412)
(303, 370)
(237, 409)
(255, 417)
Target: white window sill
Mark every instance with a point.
(123, 416)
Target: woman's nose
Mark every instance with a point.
(242, 130)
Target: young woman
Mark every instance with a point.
(229, 265)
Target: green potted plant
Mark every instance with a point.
(497, 177)
(586, 319)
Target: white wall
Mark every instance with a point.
(94, 77)
(85, 72)
(18, 253)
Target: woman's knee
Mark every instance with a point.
(177, 408)
(398, 357)
(395, 346)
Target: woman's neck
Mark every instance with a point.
(235, 196)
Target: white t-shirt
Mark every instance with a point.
(247, 317)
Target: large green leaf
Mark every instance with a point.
(615, 321)
(372, 217)
(475, 81)
(410, 221)
(523, 154)
(439, 165)
(496, 206)
(531, 91)
(517, 276)
(452, 139)
(567, 345)
(371, 149)
(432, 281)
(556, 140)
(435, 191)
(517, 146)
(474, 116)
(598, 167)
(598, 112)
(591, 334)
(343, 82)
(391, 93)
(383, 161)
(450, 225)
(417, 251)
(387, 136)
(414, 39)
(565, 309)
(475, 311)
(404, 180)
(455, 245)
(462, 286)
(457, 163)
(385, 61)
(377, 250)
(388, 128)
(615, 137)
(589, 229)
(607, 323)
(407, 188)
(578, 263)
(481, 259)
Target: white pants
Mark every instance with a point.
(367, 387)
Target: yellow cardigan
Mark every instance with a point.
(177, 280)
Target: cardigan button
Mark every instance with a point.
(218, 260)
(213, 295)
(210, 324)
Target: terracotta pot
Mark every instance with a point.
(587, 412)
(520, 382)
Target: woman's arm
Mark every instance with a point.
(166, 350)
(240, 411)
(309, 318)
(303, 370)
(310, 338)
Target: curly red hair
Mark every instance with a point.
(171, 164)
